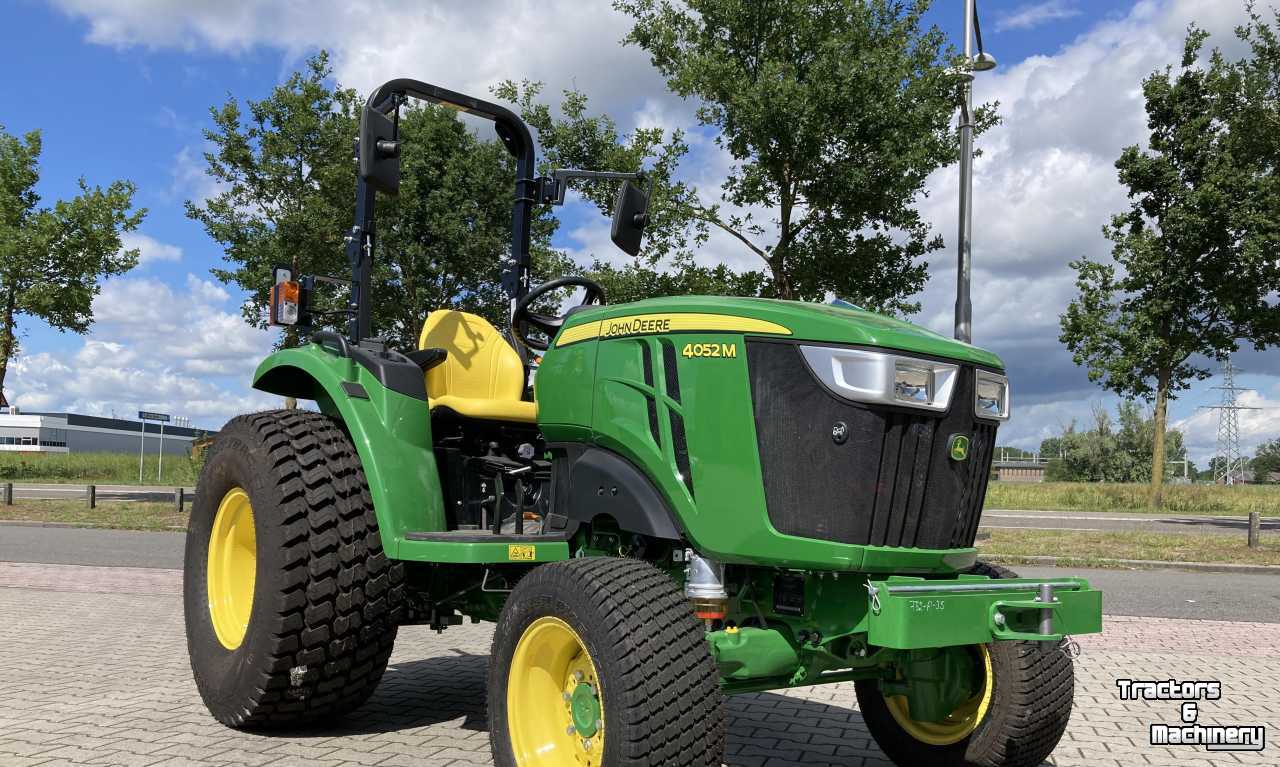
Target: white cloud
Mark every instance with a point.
(149, 248)
(152, 347)
(192, 328)
(206, 291)
(1031, 423)
(1257, 425)
(189, 179)
(1035, 14)
(463, 46)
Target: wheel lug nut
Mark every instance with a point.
(586, 744)
(577, 675)
(571, 731)
(567, 697)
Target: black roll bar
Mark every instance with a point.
(515, 136)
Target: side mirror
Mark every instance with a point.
(379, 152)
(630, 217)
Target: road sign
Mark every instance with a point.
(144, 416)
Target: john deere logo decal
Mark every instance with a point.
(958, 447)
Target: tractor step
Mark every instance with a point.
(480, 536)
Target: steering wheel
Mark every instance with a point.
(522, 317)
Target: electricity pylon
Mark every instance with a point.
(1230, 468)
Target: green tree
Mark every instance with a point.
(1052, 447)
(287, 189)
(284, 173)
(834, 113)
(577, 138)
(1266, 461)
(1112, 450)
(442, 241)
(1195, 251)
(52, 258)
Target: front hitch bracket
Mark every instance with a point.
(912, 613)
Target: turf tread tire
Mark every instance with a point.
(660, 686)
(326, 598)
(1031, 705)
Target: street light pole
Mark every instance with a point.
(964, 261)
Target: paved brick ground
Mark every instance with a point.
(93, 670)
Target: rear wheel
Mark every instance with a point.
(600, 661)
(1014, 717)
(290, 602)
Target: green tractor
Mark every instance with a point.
(697, 497)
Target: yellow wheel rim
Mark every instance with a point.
(555, 716)
(959, 724)
(233, 565)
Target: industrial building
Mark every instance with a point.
(72, 433)
(1019, 471)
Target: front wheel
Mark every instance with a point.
(600, 661)
(1017, 712)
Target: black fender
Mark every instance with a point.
(591, 481)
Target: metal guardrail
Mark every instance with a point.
(92, 493)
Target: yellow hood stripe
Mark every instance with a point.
(649, 324)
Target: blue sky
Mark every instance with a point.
(122, 88)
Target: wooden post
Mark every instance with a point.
(92, 493)
(1255, 529)
(178, 499)
(8, 494)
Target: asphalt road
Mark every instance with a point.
(1150, 593)
(1178, 594)
(1103, 521)
(90, 546)
(55, 491)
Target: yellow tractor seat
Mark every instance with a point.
(481, 375)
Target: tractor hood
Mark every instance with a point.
(821, 323)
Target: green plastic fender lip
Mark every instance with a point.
(976, 610)
(391, 433)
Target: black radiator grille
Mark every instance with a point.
(890, 483)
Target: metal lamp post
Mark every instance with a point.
(981, 63)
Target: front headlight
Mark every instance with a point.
(991, 396)
(912, 383)
(881, 378)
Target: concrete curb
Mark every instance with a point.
(86, 526)
(1136, 564)
(1161, 514)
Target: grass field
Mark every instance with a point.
(123, 515)
(1178, 499)
(100, 468)
(1085, 549)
